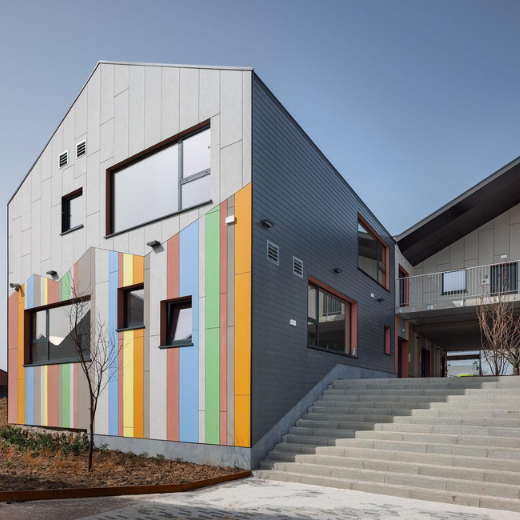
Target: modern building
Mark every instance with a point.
(234, 270)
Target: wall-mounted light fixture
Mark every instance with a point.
(52, 272)
(231, 219)
(153, 243)
(15, 286)
(337, 270)
(267, 223)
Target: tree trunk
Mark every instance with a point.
(91, 443)
(515, 370)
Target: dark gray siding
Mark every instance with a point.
(315, 213)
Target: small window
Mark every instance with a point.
(72, 211)
(273, 253)
(176, 323)
(131, 299)
(404, 288)
(454, 282)
(328, 321)
(54, 339)
(81, 148)
(372, 254)
(388, 342)
(64, 159)
(504, 278)
(297, 267)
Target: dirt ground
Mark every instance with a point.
(47, 467)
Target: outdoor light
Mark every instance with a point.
(337, 270)
(153, 243)
(267, 223)
(52, 272)
(15, 286)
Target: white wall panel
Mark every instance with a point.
(107, 92)
(189, 98)
(152, 106)
(209, 96)
(94, 112)
(136, 110)
(170, 96)
(231, 107)
(121, 127)
(80, 115)
(121, 76)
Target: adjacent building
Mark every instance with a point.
(234, 270)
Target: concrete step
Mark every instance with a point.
(507, 392)
(361, 461)
(287, 450)
(309, 445)
(460, 382)
(461, 419)
(434, 438)
(450, 497)
(335, 395)
(384, 476)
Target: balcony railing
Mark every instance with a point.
(460, 286)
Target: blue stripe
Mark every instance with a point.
(29, 395)
(189, 356)
(29, 293)
(113, 383)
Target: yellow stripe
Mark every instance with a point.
(138, 383)
(128, 269)
(45, 400)
(243, 317)
(21, 374)
(45, 291)
(128, 384)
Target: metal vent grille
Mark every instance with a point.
(297, 268)
(81, 149)
(273, 253)
(64, 159)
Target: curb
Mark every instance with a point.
(53, 494)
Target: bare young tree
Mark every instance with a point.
(97, 353)
(500, 332)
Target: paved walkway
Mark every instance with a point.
(250, 499)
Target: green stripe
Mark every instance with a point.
(65, 396)
(212, 326)
(65, 286)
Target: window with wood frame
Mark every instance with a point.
(165, 179)
(404, 288)
(330, 320)
(388, 340)
(131, 307)
(373, 254)
(72, 211)
(177, 322)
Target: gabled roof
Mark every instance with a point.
(101, 62)
(467, 212)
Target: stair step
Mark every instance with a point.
(403, 479)
(395, 490)
(440, 392)
(400, 466)
(429, 382)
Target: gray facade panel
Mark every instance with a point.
(315, 214)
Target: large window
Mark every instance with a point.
(372, 254)
(54, 339)
(160, 183)
(329, 321)
(176, 323)
(131, 305)
(504, 278)
(454, 282)
(72, 211)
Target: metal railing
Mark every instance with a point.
(460, 285)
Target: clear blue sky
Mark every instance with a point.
(412, 101)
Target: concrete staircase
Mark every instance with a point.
(453, 440)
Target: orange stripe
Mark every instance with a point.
(138, 269)
(21, 361)
(138, 383)
(53, 291)
(223, 323)
(13, 360)
(172, 356)
(120, 378)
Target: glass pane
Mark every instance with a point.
(134, 308)
(39, 352)
(332, 323)
(311, 302)
(196, 192)
(454, 281)
(146, 190)
(62, 340)
(75, 212)
(367, 252)
(196, 153)
(39, 325)
(180, 323)
(311, 333)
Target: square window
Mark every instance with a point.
(176, 323)
(132, 312)
(454, 282)
(72, 211)
(372, 254)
